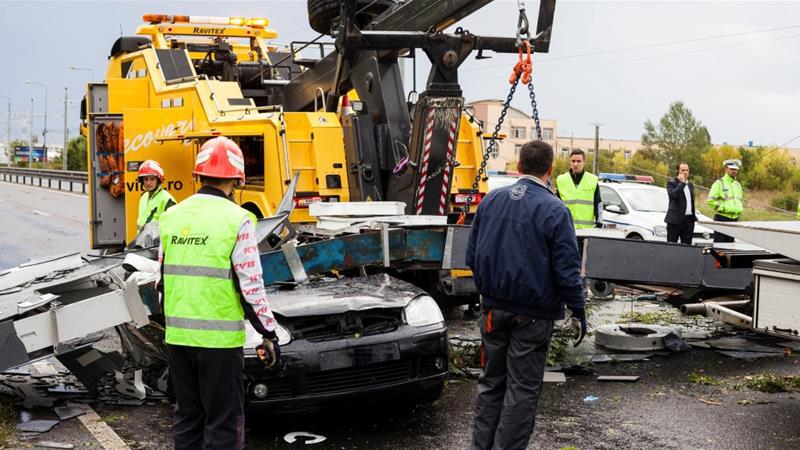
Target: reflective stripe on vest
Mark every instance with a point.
(579, 199)
(197, 271)
(201, 324)
(201, 303)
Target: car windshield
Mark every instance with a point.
(647, 200)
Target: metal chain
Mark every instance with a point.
(535, 111)
(490, 147)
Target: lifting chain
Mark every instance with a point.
(521, 72)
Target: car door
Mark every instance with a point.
(613, 206)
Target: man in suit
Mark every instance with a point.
(680, 217)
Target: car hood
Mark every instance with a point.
(336, 296)
(657, 218)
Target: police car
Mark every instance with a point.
(633, 205)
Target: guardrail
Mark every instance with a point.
(63, 180)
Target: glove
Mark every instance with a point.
(579, 315)
(269, 352)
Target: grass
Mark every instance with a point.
(756, 208)
(113, 417)
(771, 384)
(708, 380)
(649, 318)
(8, 421)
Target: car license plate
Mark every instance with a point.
(359, 356)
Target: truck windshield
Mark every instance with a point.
(646, 199)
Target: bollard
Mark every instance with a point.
(83, 188)
(59, 185)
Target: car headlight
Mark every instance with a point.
(660, 231)
(422, 311)
(253, 338)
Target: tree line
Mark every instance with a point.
(680, 137)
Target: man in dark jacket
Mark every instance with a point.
(680, 216)
(524, 257)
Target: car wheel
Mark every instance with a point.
(635, 236)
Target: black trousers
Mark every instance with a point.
(209, 393)
(683, 231)
(719, 237)
(513, 355)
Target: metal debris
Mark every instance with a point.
(68, 412)
(618, 378)
(37, 426)
(747, 355)
(52, 444)
(555, 377)
(135, 390)
(621, 357)
(674, 343)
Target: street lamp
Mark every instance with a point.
(8, 132)
(44, 133)
(85, 69)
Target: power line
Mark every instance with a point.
(646, 46)
(644, 58)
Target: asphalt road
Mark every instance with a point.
(664, 409)
(38, 222)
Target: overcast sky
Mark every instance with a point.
(736, 65)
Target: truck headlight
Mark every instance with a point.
(422, 311)
(660, 231)
(253, 338)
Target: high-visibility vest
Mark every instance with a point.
(578, 199)
(725, 197)
(152, 205)
(201, 304)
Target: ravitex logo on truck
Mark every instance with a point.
(202, 30)
(145, 139)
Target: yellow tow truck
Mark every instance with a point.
(185, 79)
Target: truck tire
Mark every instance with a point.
(322, 14)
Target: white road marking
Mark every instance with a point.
(105, 436)
(41, 213)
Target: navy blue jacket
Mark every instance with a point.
(524, 254)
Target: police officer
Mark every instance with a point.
(212, 277)
(725, 197)
(155, 199)
(579, 190)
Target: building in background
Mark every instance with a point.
(519, 127)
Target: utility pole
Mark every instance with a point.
(66, 131)
(596, 145)
(8, 135)
(30, 146)
(8, 132)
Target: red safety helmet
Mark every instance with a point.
(151, 168)
(220, 158)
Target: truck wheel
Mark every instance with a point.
(323, 14)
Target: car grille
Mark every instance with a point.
(340, 380)
(708, 235)
(279, 388)
(339, 326)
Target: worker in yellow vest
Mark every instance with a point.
(155, 199)
(725, 198)
(210, 274)
(580, 192)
